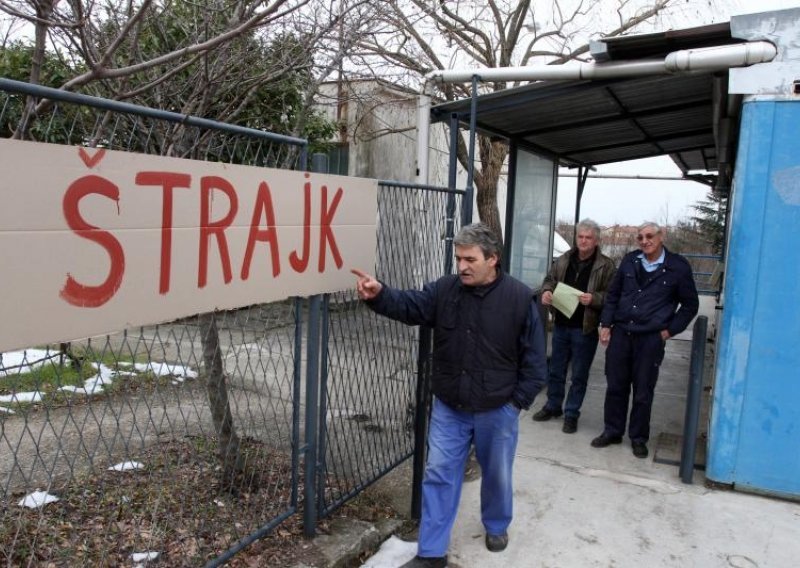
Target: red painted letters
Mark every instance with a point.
(168, 181)
(263, 202)
(216, 228)
(299, 264)
(74, 292)
(325, 231)
(263, 228)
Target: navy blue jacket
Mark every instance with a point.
(640, 301)
(488, 341)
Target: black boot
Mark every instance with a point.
(426, 562)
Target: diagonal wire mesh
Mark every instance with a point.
(367, 423)
(122, 431)
(171, 443)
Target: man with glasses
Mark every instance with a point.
(651, 298)
(574, 341)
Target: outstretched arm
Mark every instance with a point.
(412, 307)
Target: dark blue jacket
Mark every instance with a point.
(488, 341)
(640, 301)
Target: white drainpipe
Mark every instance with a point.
(423, 133)
(685, 61)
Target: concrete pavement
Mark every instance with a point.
(578, 506)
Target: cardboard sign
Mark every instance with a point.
(95, 241)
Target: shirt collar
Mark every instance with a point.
(660, 260)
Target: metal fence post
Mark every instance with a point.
(322, 437)
(466, 210)
(312, 403)
(297, 389)
(319, 163)
(693, 397)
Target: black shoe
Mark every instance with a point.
(496, 542)
(604, 440)
(546, 414)
(426, 562)
(570, 425)
(639, 449)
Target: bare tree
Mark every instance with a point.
(251, 62)
(413, 37)
(195, 58)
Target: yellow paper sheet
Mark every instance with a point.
(565, 299)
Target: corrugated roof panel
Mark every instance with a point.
(620, 154)
(661, 43)
(676, 122)
(656, 92)
(688, 142)
(547, 113)
(694, 160)
(601, 135)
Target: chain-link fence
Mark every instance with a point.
(178, 444)
(170, 443)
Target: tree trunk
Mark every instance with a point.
(44, 11)
(486, 194)
(228, 448)
(492, 156)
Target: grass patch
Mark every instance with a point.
(46, 379)
(50, 378)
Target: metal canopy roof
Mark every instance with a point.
(595, 122)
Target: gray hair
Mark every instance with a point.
(480, 235)
(653, 224)
(588, 225)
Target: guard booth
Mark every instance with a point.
(723, 101)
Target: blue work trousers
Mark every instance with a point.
(632, 364)
(451, 432)
(569, 345)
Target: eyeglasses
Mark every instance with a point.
(647, 237)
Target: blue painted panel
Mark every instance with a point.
(755, 428)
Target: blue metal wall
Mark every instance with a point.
(754, 439)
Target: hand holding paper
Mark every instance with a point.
(565, 299)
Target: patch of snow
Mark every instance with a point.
(5, 410)
(92, 385)
(23, 361)
(164, 369)
(125, 466)
(37, 499)
(17, 397)
(392, 553)
(144, 556)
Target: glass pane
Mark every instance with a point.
(532, 228)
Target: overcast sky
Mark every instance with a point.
(630, 202)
